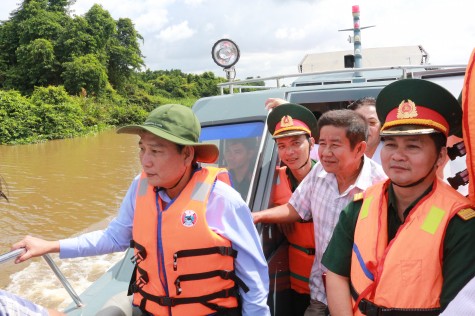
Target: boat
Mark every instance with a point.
(240, 114)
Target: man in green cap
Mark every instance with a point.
(405, 246)
(197, 251)
(292, 126)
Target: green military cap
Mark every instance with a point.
(417, 106)
(290, 119)
(178, 124)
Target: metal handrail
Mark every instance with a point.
(403, 68)
(67, 286)
(11, 255)
(18, 252)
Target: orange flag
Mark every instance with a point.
(468, 108)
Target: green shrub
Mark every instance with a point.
(18, 118)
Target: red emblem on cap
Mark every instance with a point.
(406, 109)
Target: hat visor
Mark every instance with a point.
(289, 133)
(408, 132)
(207, 153)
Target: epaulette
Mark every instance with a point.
(466, 214)
(358, 196)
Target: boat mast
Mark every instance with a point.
(357, 39)
(357, 57)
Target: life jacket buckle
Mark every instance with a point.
(457, 150)
(175, 261)
(369, 309)
(166, 301)
(136, 258)
(226, 251)
(141, 281)
(177, 285)
(226, 275)
(141, 253)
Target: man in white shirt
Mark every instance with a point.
(342, 171)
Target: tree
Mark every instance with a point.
(36, 63)
(76, 40)
(28, 38)
(124, 54)
(101, 26)
(85, 72)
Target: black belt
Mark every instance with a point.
(370, 309)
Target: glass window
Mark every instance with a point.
(238, 150)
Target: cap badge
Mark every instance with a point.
(407, 109)
(286, 121)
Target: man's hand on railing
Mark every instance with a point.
(35, 247)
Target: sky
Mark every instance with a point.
(274, 35)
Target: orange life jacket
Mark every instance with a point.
(405, 273)
(196, 264)
(468, 104)
(302, 239)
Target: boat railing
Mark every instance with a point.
(67, 286)
(407, 71)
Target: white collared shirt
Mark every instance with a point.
(318, 197)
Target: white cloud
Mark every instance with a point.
(274, 35)
(209, 27)
(152, 21)
(194, 2)
(290, 34)
(176, 32)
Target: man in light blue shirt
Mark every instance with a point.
(169, 152)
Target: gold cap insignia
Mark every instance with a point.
(286, 121)
(407, 109)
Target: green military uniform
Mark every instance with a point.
(459, 255)
(406, 108)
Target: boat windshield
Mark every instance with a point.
(238, 145)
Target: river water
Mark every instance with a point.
(56, 190)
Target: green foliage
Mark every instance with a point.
(59, 115)
(100, 25)
(50, 95)
(176, 84)
(40, 41)
(80, 74)
(129, 114)
(36, 62)
(124, 54)
(85, 72)
(18, 123)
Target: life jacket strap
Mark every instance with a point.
(308, 251)
(457, 150)
(224, 251)
(224, 274)
(173, 301)
(141, 252)
(461, 178)
(368, 308)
